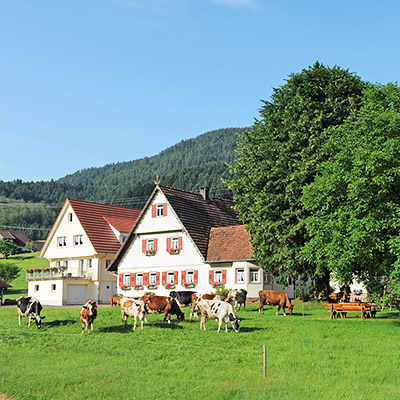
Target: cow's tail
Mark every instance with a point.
(253, 301)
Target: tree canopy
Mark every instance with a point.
(279, 156)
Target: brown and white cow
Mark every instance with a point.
(163, 304)
(238, 297)
(28, 307)
(196, 297)
(274, 298)
(133, 308)
(220, 311)
(88, 314)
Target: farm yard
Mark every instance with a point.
(308, 358)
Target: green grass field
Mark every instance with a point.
(307, 358)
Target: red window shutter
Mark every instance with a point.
(157, 278)
(175, 277)
(155, 244)
(132, 279)
(168, 244)
(196, 277)
(121, 279)
(164, 278)
(183, 278)
(224, 276)
(164, 210)
(180, 242)
(145, 278)
(153, 211)
(211, 276)
(143, 246)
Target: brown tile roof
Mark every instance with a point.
(198, 215)
(120, 224)
(93, 218)
(18, 237)
(230, 243)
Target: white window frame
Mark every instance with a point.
(175, 243)
(189, 278)
(36, 288)
(159, 210)
(81, 264)
(240, 275)
(89, 263)
(153, 278)
(254, 275)
(217, 275)
(78, 240)
(171, 278)
(126, 279)
(267, 278)
(70, 218)
(61, 241)
(150, 244)
(139, 279)
(53, 287)
(58, 264)
(66, 263)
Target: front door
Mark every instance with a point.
(109, 289)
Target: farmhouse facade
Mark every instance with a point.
(82, 243)
(188, 241)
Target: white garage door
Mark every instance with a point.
(76, 294)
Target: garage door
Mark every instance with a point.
(76, 294)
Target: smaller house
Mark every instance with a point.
(82, 243)
(19, 238)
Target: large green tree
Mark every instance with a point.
(8, 248)
(278, 156)
(355, 200)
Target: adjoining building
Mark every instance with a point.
(80, 246)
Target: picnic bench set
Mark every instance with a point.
(338, 309)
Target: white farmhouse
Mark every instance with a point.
(184, 240)
(82, 243)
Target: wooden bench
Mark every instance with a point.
(366, 310)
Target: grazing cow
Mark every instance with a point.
(238, 296)
(274, 298)
(183, 298)
(196, 297)
(218, 310)
(88, 314)
(163, 304)
(28, 307)
(133, 308)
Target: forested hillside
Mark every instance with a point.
(188, 165)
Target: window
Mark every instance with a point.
(53, 287)
(218, 276)
(175, 243)
(69, 218)
(126, 280)
(267, 278)
(150, 244)
(89, 263)
(139, 279)
(78, 240)
(189, 277)
(66, 263)
(81, 267)
(153, 278)
(159, 210)
(171, 277)
(254, 275)
(61, 241)
(36, 288)
(108, 262)
(58, 264)
(240, 276)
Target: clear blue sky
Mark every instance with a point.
(84, 83)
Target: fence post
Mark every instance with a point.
(265, 360)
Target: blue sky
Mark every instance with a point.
(84, 83)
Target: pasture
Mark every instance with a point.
(310, 358)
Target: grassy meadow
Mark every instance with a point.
(307, 358)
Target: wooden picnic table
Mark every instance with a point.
(366, 310)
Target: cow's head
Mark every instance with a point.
(290, 308)
(235, 322)
(91, 306)
(38, 320)
(181, 317)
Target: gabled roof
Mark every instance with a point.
(229, 243)
(95, 219)
(18, 237)
(196, 215)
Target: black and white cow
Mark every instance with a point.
(220, 311)
(183, 298)
(238, 297)
(28, 307)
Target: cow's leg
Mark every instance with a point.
(277, 311)
(134, 324)
(203, 322)
(19, 318)
(29, 321)
(141, 321)
(83, 327)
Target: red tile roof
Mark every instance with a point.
(229, 243)
(93, 218)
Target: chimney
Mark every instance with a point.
(205, 192)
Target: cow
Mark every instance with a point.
(274, 298)
(220, 311)
(28, 307)
(183, 298)
(163, 304)
(133, 308)
(88, 314)
(239, 297)
(196, 297)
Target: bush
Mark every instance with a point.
(222, 291)
(8, 272)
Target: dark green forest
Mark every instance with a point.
(188, 165)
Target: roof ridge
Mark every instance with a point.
(196, 193)
(102, 204)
